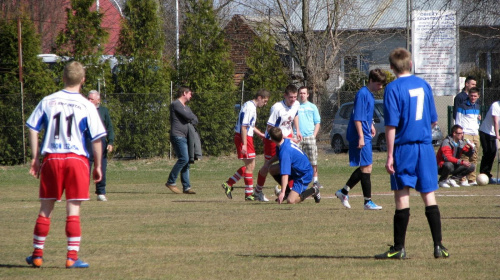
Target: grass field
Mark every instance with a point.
(146, 232)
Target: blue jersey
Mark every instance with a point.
(362, 111)
(294, 162)
(409, 106)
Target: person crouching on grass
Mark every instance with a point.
(293, 165)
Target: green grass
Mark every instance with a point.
(146, 232)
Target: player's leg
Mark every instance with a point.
(366, 186)
(269, 152)
(248, 178)
(40, 232)
(73, 234)
(434, 219)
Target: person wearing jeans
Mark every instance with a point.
(180, 116)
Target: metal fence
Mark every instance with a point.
(129, 112)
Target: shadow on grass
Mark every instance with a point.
(25, 266)
(307, 256)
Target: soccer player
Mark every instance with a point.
(68, 119)
(468, 116)
(293, 165)
(360, 132)
(409, 114)
(284, 114)
(488, 134)
(309, 124)
(107, 142)
(243, 139)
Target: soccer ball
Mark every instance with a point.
(482, 179)
(277, 190)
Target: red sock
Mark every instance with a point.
(237, 176)
(248, 178)
(290, 184)
(261, 180)
(73, 233)
(40, 233)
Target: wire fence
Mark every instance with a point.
(142, 124)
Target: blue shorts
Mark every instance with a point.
(416, 167)
(299, 186)
(360, 157)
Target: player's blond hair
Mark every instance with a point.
(73, 73)
(400, 60)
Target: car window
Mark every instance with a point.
(345, 111)
(379, 107)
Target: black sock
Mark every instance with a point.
(366, 185)
(353, 180)
(305, 194)
(434, 218)
(277, 178)
(401, 219)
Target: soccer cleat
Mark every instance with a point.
(318, 184)
(493, 181)
(260, 196)
(444, 184)
(464, 184)
(71, 263)
(316, 195)
(34, 261)
(227, 190)
(250, 198)
(392, 254)
(473, 183)
(370, 205)
(343, 198)
(453, 183)
(101, 197)
(440, 252)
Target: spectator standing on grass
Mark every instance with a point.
(107, 143)
(293, 166)
(409, 114)
(489, 134)
(460, 98)
(449, 158)
(309, 124)
(180, 117)
(284, 114)
(360, 132)
(243, 139)
(68, 120)
(468, 116)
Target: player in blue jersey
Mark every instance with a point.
(243, 139)
(360, 132)
(293, 165)
(68, 120)
(409, 114)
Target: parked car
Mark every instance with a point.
(338, 139)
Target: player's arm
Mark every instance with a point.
(359, 129)
(97, 150)
(390, 136)
(296, 124)
(35, 160)
(284, 183)
(244, 133)
(258, 132)
(495, 125)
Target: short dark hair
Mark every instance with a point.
(469, 78)
(276, 134)
(262, 93)
(377, 76)
(290, 89)
(455, 128)
(302, 87)
(182, 90)
(474, 89)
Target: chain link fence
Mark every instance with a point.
(141, 120)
